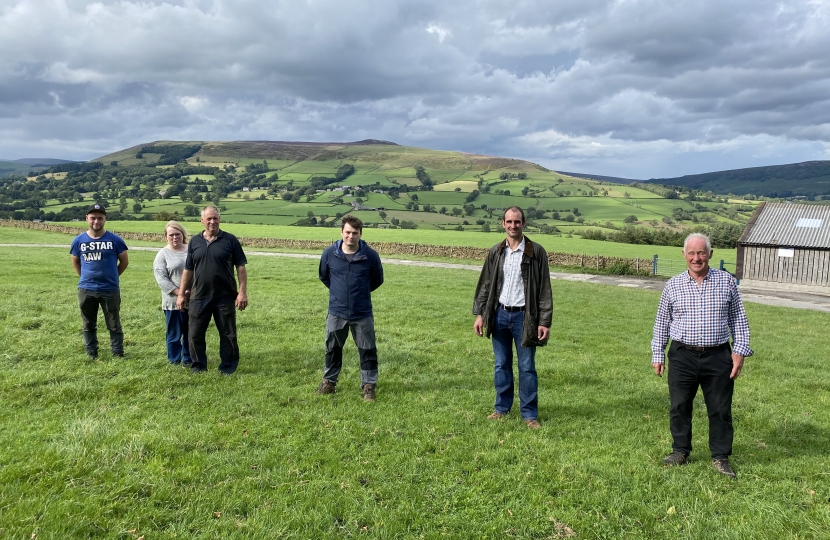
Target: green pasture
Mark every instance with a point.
(443, 198)
(426, 219)
(299, 179)
(504, 201)
(368, 180)
(130, 448)
(315, 168)
(561, 244)
(405, 181)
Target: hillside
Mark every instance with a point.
(24, 166)
(385, 184)
(809, 179)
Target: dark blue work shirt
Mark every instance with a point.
(351, 283)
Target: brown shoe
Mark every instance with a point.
(533, 424)
(326, 387)
(368, 392)
(496, 416)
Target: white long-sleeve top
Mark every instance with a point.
(168, 267)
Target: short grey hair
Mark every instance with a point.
(210, 207)
(698, 236)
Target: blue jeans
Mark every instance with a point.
(178, 348)
(508, 331)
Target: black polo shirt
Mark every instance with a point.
(213, 265)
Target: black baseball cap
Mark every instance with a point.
(96, 208)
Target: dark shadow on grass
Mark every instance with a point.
(799, 439)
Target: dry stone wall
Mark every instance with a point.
(599, 262)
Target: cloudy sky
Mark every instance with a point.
(631, 88)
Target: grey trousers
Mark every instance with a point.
(363, 333)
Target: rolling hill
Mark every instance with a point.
(23, 166)
(807, 179)
(385, 184)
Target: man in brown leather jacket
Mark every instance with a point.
(513, 305)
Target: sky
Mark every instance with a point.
(628, 88)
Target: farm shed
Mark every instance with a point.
(787, 244)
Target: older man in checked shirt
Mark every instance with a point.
(699, 309)
(514, 304)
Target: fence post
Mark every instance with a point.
(654, 268)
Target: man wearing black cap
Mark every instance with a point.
(99, 258)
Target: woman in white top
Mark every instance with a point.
(168, 268)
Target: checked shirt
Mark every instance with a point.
(513, 289)
(700, 315)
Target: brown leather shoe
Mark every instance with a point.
(496, 416)
(326, 387)
(368, 392)
(533, 424)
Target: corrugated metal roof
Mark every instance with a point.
(791, 225)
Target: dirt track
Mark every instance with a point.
(772, 297)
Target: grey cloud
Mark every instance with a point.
(650, 87)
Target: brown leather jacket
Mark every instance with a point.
(538, 298)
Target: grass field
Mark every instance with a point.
(561, 244)
(125, 449)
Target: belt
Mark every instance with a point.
(511, 309)
(694, 348)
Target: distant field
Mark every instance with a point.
(560, 244)
(501, 182)
(466, 186)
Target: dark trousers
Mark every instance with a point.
(710, 371)
(223, 312)
(110, 303)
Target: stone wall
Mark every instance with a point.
(599, 262)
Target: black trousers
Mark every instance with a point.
(223, 312)
(110, 303)
(710, 371)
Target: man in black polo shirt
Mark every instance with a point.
(211, 258)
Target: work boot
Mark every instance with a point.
(675, 458)
(368, 392)
(496, 416)
(326, 387)
(533, 424)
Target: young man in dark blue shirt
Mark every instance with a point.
(99, 257)
(351, 270)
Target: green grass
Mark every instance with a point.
(561, 244)
(121, 449)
